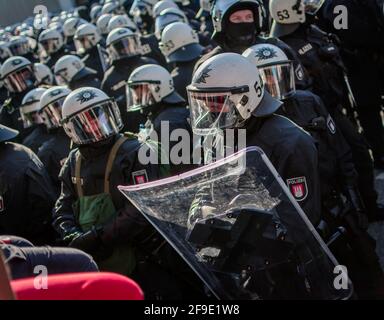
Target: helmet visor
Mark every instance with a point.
(30, 118)
(139, 96)
(50, 45)
(51, 114)
(313, 6)
(19, 48)
(94, 124)
(83, 44)
(212, 111)
(126, 47)
(20, 80)
(279, 80)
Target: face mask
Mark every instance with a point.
(240, 34)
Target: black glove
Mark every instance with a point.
(88, 242)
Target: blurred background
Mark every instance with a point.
(14, 11)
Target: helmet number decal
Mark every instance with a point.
(283, 15)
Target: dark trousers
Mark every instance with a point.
(23, 258)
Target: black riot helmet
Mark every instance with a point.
(241, 33)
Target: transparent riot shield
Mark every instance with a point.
(238, 227)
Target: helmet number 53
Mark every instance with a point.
(283, 15)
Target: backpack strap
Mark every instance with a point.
(79, 188)
(111, 160)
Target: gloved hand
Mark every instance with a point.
(71, 234)
(88, 242)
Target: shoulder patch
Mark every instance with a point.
(305, 49)
(298, 188)
(331, 124)
(140, 177)
(299, 72)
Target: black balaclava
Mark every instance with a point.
(240, 36)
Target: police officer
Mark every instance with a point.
(320, 55)
(88, 210)
(87, 41)
(181, 48)
(124, 49)
(151, 92)
(33, 123)
(54, 152)
(20, 46)
(71, 71)
(102, 24)
(121, 21)
(43, 74)
(69, 29)
(149, 43)
(238, 25)
(362, 52)
(341, 201)
(26, 197)
(53, 46)
(142, 11)
(228, 92)
(23, 257)
(18, 77)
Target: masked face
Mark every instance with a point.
(241, 29)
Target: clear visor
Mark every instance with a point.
(30, 118)
(19, 48)
(313, 6)
(94, 124)
(126, 47)
(51, 114)
(61, 80)
(50, 45)
(20, 80)
(162, 21)
(83, 44)
(139, 96)
(279, 80)
(211, 112)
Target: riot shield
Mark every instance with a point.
(237, 226)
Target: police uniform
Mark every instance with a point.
(336, 165)
(151, 50)
(54, 57)
(322, 60)
(114, 82)
(36, 138)
(362, 52)
(92, 60)
(10, 116)
(26, 197)
(23, 258)
(182, 76)
(294, 154)
(53, 154)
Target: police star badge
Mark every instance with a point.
(266, 53)
(298, 188)
(86, 96)
(204, 75)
